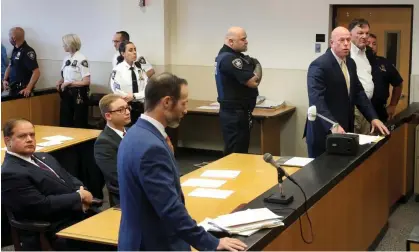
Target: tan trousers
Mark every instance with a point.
(362, 126)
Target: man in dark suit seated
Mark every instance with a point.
(116, 112)
(334, 88)
(36, 188)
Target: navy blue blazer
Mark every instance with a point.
(327, 90)
(35, 194)
(154, 216)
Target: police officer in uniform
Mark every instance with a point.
(23, 72)
(124, 36)
(384, 74)
(129, 79)
(74, 85)
(237, 77)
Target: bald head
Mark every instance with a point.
(236, 39)
(16, 36)
(340, 41)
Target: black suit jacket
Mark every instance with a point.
(106, 151)
(35, 194)
(327, 90)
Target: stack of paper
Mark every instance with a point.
(366, 139)
(49, 143)
(244, 223)
(270, 104)
(210, 193)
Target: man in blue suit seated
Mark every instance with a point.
(334, 88)
(154, 216)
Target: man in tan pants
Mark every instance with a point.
(363, 56)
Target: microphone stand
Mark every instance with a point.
(283, 199)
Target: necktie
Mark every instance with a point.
(134, 80)
(345, 74)
(43, 166)
(170, 144)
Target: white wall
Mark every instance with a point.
(281, 34)
(95, 21)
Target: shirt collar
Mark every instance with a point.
(28, 159)
(126, 64)
(117, 131)
(356, 50)
(337, 58)
(156, 124)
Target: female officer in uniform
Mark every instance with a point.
(74, 85)
(129, 79)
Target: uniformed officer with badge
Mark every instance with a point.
(237, 77)
(23, 72)
(129, 79)
(384, 74)
(124, 36)
(74, 85)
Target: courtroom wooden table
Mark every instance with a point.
(269, 119)
(255, 178)
(348, 197)
(41, 131)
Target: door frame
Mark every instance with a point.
(410, 6)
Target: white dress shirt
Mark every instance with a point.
(121, 80)
(75, 67)
(155, 123)
(117, 131)
(339, 60)
(363, 69)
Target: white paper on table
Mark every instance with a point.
(36, 149)
(49, 143)
(298, 161)
(246, 217)
(208, 107)
(211, 183)
(220, 173)
(210, 193)
(58, 138)
(366, 139)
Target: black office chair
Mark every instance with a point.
(31, 226)
(95, 122)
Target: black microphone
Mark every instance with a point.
(286, 199)
(282, 198)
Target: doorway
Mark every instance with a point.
(392, 24)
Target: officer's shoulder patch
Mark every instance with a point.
(113, 74)
(142, 60)
(84, 63)
(74, 63)
(238, 63)
(31, 55)
(116, 85)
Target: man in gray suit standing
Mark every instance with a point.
(116, 112)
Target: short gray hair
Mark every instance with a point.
(72, 41)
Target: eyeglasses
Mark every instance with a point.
(121, 110)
